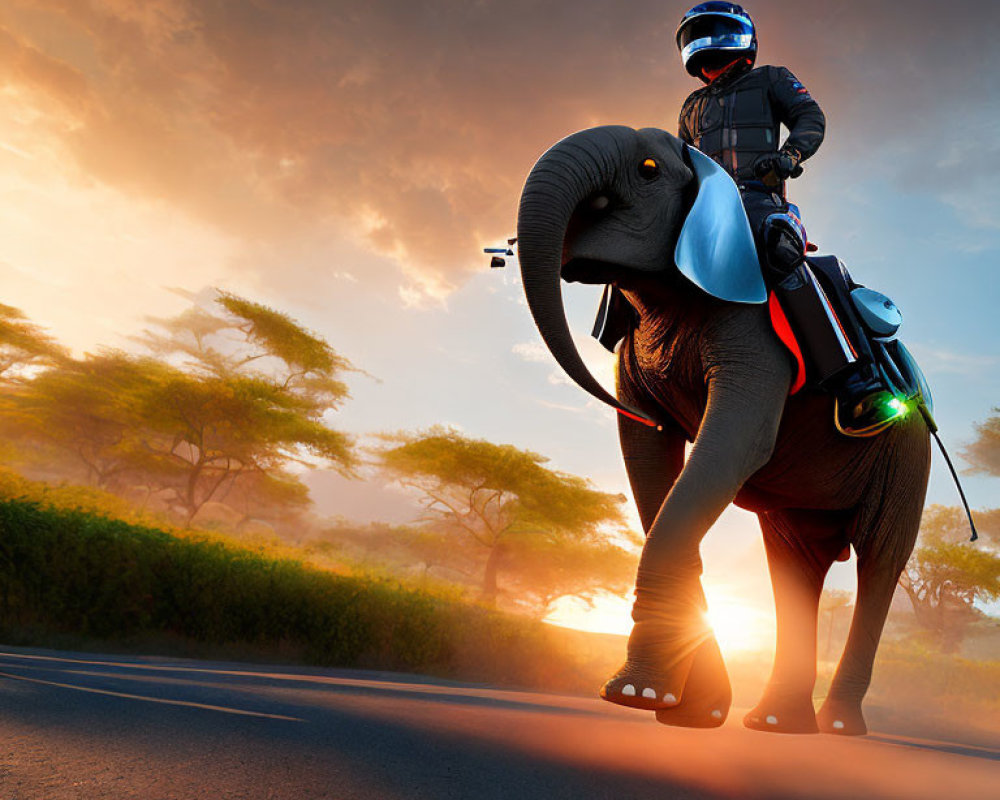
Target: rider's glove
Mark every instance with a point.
(784, 164)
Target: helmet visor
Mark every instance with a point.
(714, 32)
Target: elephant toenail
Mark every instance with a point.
(669, 698)
(771, 719)
(650, 693)
(628, 690)
(717, 714)
(838, 724)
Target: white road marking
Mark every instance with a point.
(186, 703)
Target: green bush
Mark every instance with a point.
(73, 572)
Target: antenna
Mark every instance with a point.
(932, 426)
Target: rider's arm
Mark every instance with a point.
(801, 114)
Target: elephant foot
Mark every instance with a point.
(707, 694)
(842, 717)
(656, 675)
(777, 713)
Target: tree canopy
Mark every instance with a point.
(22, 343)
(947, 574)
(943, 581)
(949, 524)
(983, 454)
(548, 533)
(226, 401)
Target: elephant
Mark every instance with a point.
(607, 206)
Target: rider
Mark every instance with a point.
(734, 120)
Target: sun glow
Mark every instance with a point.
(739, 626)
(608, 614)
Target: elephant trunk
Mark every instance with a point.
(573, 170)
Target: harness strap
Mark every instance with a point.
(781, 327)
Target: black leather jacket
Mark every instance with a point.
(735, 119)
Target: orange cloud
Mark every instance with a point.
(272, 117)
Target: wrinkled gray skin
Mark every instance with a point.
(715, 373)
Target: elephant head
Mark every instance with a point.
(612, 204)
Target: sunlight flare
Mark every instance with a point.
(739, 626)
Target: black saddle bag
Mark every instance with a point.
(838, 285)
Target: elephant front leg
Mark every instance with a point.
(653, 460)
(674, 665)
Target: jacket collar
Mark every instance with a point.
(735, 70)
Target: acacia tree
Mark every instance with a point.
(943, 581)
(247, 399)
(203, 434)
(273, 497)
(226, 402)
(544, 568)
(86, 410)
(949, 524)
(983, 454)
(248, 338)
(548, 532)
(946, 575)
(22, 343)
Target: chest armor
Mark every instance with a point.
(734, 124)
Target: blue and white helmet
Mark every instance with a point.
(713, 30)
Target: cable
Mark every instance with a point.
(968, 511)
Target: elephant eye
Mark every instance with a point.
(649, 169)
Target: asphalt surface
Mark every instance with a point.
(93, 727)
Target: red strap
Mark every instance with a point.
(637, 418)
(781, 327)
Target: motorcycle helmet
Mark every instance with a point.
(711, 34)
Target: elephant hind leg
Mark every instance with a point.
(841, 711)
(801, 546)
(891, 526)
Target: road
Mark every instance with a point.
(94, 727)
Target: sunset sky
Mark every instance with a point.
(346, 161)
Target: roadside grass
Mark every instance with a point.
(75, 574)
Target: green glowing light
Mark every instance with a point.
(898, 407)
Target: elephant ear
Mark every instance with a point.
(715, 249)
